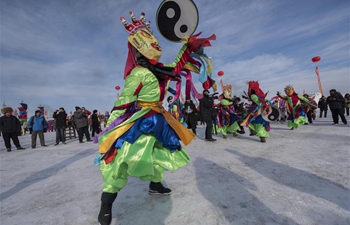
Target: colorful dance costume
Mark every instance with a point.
(257, 125)
(142, 139)
(226, 120)
(295, 111)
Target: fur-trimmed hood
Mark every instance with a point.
(6, 110)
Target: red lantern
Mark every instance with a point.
(316, 59)
(117, 88)
(221, 73)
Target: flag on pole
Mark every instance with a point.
(182, 98)
(222, 85)
(319, 80)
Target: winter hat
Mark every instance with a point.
(77, 107)
(206, 92)
(95, 111)
(62, 108)
(37, 111)
(333, 90)
(6, 110)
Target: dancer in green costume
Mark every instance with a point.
(256, 123)
(226, 120)
(141, 138)
(296, 114)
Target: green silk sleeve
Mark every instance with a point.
(303, 98)
(178, 57)
(282, 96)
(225, 102)
(255, 99)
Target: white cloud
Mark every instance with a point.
(67, 46)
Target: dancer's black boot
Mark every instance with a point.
(105, 216)
(158, 189)
(262, 139)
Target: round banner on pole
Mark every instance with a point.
(177, 19)
(271, 113)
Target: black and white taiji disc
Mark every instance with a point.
(177, 19)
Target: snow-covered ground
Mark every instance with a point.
(297, 177)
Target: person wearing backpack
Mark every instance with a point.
(37, 126)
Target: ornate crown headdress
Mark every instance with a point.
(227, 87)
(136, 24)
(288, 87)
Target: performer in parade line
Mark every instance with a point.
(141, 138)
(176, 113)
(295, 111)
(257, 124)
(226, 120)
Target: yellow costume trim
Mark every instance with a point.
(184, 134)
(106, 144)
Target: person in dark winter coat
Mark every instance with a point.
(10, 128)
(37, 126)
(95, 123)
(191, 115)
(206, 110)
(308, 109)
(347, 103)
(322, 105)
(336, 105)
(60, 121)
(80, 118)
(241, 112)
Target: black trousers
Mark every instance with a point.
(95, 129)
(325, 113)
(60, 134)
(82, 131)
(209, 129)
(7, 137)
(336, 113)
(309, 116)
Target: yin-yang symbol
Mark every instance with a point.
(177, 19)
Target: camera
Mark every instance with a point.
(214, 95)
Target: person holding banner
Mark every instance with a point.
(142, 139)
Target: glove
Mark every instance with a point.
(45, 130)
(30, 130)
(278, 93)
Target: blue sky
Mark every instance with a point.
(72, 53)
